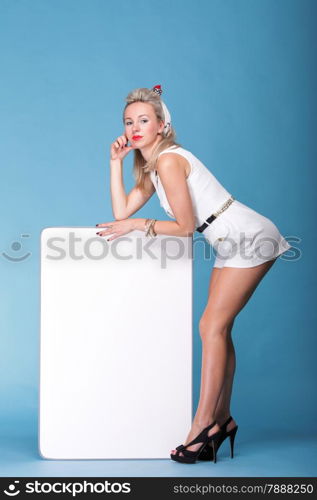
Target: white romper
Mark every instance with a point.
(241, 236)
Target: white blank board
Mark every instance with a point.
(115, 344)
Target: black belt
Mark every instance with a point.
(202, 228)
(210, 219)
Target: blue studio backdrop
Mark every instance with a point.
(239, 79)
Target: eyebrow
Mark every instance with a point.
(128, 117)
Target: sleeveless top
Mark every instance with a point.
(206, 192)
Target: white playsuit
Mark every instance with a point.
(241, 236)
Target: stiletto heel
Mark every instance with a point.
(214, 451)
(213, 444)
(208, 452)
(232, 435)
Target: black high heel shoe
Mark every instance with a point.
(207, 452)
(190, 457)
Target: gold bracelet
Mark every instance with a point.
(146, 226)
(152, 231)
(149, 231)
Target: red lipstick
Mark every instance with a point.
(137, 137)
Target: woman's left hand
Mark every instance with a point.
(119, 227)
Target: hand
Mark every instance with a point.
(119, 227)
(119, 149)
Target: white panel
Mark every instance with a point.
(116, 344)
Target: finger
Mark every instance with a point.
(103, 233)
(105, 224)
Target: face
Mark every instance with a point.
(142, 125)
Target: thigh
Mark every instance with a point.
(230, 289)
(213, 279)
(212, 286)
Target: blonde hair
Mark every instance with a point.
(141, 167)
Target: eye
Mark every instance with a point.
(143, 120)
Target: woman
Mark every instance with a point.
(189, 193)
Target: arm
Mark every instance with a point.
(123, 205)
(173, 178)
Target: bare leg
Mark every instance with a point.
(222, 411)
(223, 407)
(232, 290)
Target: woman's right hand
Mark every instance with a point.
(118, 149)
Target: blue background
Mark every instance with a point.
(239, 78)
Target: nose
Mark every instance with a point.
(135, 128)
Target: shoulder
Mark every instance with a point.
(172, 163)
(167, 158)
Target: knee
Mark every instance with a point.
(213, 328)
